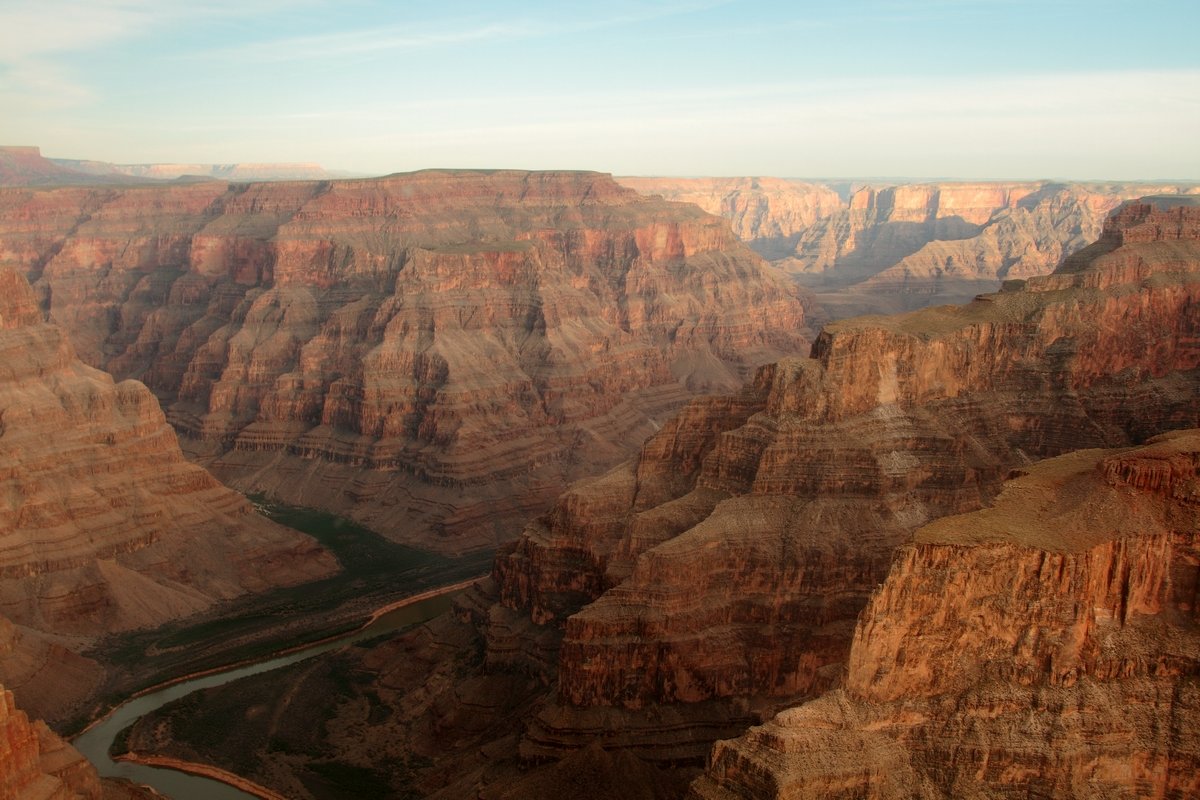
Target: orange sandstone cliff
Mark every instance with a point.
(104, 526)
(1046, 646)
(35, 764)
(433, 353)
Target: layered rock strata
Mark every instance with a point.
(104, 526)
(1046, 646)
(683, 597)
(727, 565)
(35, 764)
(434, 353)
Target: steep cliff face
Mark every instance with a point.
(1048, 645)
(728, 564)
(35, 764)
(105, 526)
(434, 353)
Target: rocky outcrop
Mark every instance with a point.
(104, 525)
(727, 566)
(35, 764)
(1048, 645)
(434, 354)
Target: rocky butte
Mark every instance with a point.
(104, 526)
(434, 354)
(717, 579)
(1046, 646)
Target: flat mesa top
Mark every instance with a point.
(1080, 500)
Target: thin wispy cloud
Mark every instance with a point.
(63, 26)
(450, 32)
(308, 48)
(1024, 122)
(35, 38)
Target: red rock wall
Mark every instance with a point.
(413, 348)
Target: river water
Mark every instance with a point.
(95, 742)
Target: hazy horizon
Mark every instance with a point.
(915, 89)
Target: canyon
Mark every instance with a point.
(438, 354)
(871, 247)
(106, 527)
(433, 354)
(717, 580)
(1048, 645)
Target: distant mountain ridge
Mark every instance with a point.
(26, 166)
(239, 171)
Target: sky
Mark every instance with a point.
(970, 89)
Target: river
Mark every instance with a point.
(95, 742)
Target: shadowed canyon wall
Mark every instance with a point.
(434, 354)
(104, 526)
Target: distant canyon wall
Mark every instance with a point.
(891, 248)
(435, 354)
(26, 166)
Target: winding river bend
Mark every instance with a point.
(95, 742)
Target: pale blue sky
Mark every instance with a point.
(917, 88)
